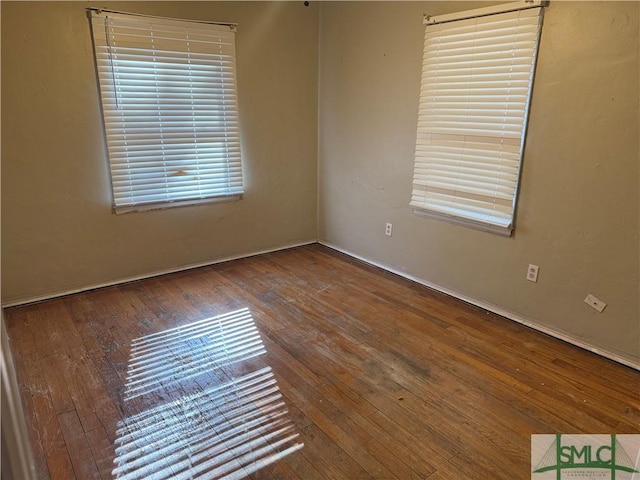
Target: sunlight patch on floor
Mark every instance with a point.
(225, 430)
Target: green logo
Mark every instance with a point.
(580, 456)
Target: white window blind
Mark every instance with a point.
(169, 101)
(476, 85)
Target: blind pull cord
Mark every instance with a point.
(113, 71)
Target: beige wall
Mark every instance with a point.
(578, 208)
(578, 214)
(58, 232)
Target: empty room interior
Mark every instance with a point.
(359, 288)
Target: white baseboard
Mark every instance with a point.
(479, 303)
(494, 309)
(158, 273)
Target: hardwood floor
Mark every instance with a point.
(301, 364)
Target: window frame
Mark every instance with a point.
(169, 105)
(445, 186)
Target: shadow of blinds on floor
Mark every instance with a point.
(192, 415)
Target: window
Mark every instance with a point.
(477, 74)
(170, 110)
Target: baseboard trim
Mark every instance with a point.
(465, 298)
(158, 273)
(492, 308)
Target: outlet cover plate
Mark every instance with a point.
(595, 302)
(532, 273)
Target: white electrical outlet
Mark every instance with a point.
(388, 230)
(532, 273)
(595, 303)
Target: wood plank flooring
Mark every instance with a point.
(300, 364)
